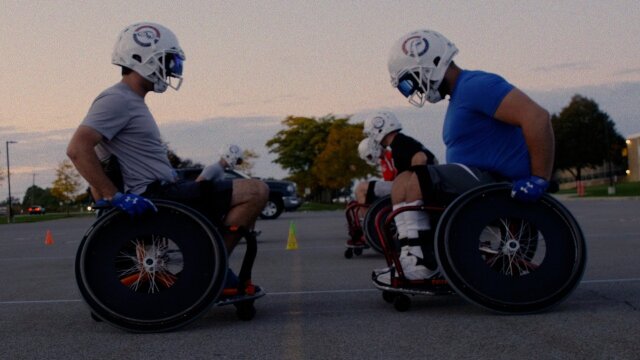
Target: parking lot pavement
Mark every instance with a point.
(321, 305)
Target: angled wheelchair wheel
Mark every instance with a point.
(371, 220)
(510, 256)
(154, 273)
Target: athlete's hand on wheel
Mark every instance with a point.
(132, 204)
(529, 189)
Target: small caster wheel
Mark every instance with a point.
(95, 317)
(389, 296)
(357, 251)
(245, 311)
(402, 303)
(348, 253)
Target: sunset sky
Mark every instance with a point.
(252, 63)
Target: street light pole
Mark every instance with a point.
(10, 212)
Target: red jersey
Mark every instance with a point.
(389, 171)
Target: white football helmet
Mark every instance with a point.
(152, 51)
(417, 64)
(378, 125)
(369, 151)
(232, 154)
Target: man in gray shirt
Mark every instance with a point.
(120, 123)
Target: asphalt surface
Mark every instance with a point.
(323, 306)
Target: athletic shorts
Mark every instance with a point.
(213, 199)
(441, 184)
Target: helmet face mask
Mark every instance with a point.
(369, 151)
(418, 63)
(152, 51)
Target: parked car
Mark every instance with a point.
(36, 210)
(282, 193)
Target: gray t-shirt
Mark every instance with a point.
(131, 134)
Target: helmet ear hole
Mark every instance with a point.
(136, 57)
(436, 60)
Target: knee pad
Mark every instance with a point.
(399, 219)
(416, 221)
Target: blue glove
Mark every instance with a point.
(132, 204)
(530, 189)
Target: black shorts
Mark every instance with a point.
(213, 199)
(441, 184)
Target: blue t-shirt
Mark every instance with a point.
(473, 136)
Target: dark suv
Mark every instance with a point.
(282, 193)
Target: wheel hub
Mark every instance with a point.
(511, 247)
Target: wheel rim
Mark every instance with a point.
(160, 274)
(510, 256)
(270, 209)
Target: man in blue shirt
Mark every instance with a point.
(492, 130)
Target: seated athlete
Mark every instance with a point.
(492, 132)
(230, 158)
(120, 123)
(396, 151)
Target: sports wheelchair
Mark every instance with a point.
(159, 271)
(363, 233)
(502, 254)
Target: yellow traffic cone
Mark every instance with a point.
(292, 243)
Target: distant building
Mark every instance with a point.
(633, 151)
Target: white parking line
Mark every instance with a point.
(288, 293)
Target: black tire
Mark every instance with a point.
(369, 227)
(154, 273)
(348, 253)
(273, 209)
(535, 267)
(245, 310)
(389, 296)
(402, 303)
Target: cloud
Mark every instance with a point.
(618, 100)
(563, 66)
(628, 71)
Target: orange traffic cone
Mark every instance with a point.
(48, 239)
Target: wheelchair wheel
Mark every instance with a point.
(509, 256)
(154, 273)
(370, 234)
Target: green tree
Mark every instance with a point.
(66, 184)
(320, 154)
(339, 163)
(36, 195)
(248, 157)
(298, 145)
(585, 137)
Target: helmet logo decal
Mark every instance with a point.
(415, 46)
(378, 123)
(146, 35)
(234, 149)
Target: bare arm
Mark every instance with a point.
(419, 158)
(518, 109)
(81, 152)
